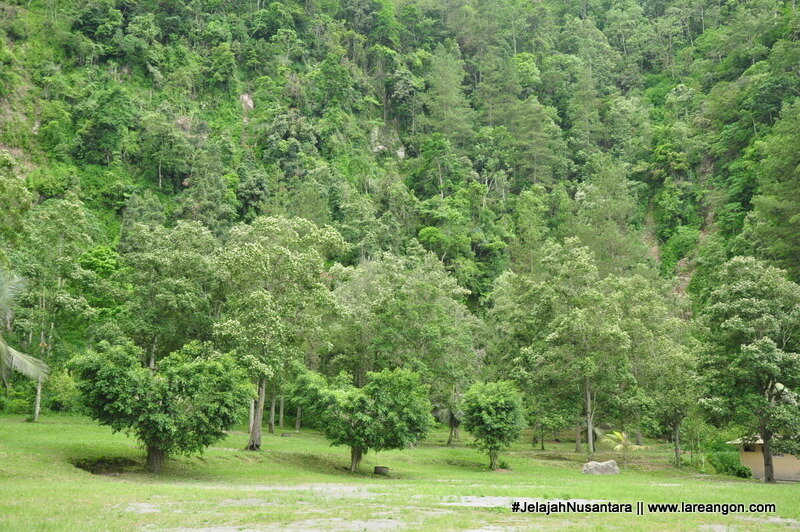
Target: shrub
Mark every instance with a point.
(53, 181)
(728, 463)
(183, 405)
(494, 415)
(64, 393)
(682, 241)
(17, 406)
(391, 412)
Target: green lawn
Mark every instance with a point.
(300, 482)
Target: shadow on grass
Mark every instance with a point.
(107, 466)
(328, 465)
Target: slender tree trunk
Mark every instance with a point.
(493, 460)
(272, 415)
(703, 19)
(678, 444)
(155, 459)
(355, 458)
(252, 415)
(454, 423)
(258, 420)
(37, 406)
(578, 446)
(514, 37)
(152, 362)
(297, 420)
(589, 416)
(541, 440)
(639, 439)
(769, 470)
(280, 412)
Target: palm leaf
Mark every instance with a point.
(11, 359)
(11, 285)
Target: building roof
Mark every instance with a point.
(740, 441)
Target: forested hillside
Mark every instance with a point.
(546, 191)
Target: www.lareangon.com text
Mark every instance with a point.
(639, 508)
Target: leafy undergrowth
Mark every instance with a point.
(48, 482)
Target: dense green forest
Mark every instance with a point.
(207, 201)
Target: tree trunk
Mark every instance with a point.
(454, 423)
(152, 362)
(769, 470)
(589, 416)
(258, 420)
(37, 406)
(578, 446)
(678, 444)
(297, 420)
(493, 460)
(280, 412)
(252, 415)
(541, 440)
(272, 415)
(355, 458)
(155, 459)
(639, 439)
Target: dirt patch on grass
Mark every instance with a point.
(331, 490)
(243, 502)
(343, 524)
(105, 466)
(790, 523)
(549, 525)
(504, 502)
(142, 508)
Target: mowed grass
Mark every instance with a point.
(300, 482)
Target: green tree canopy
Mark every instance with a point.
(182, 405)
(750, 362)
(494, 415)
(276, 293)
(391, 411)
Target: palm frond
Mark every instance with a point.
(11, 286)
(11, 359)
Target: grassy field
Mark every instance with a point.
(300, 482)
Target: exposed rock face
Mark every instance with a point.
(247, 101)
(601, 468)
